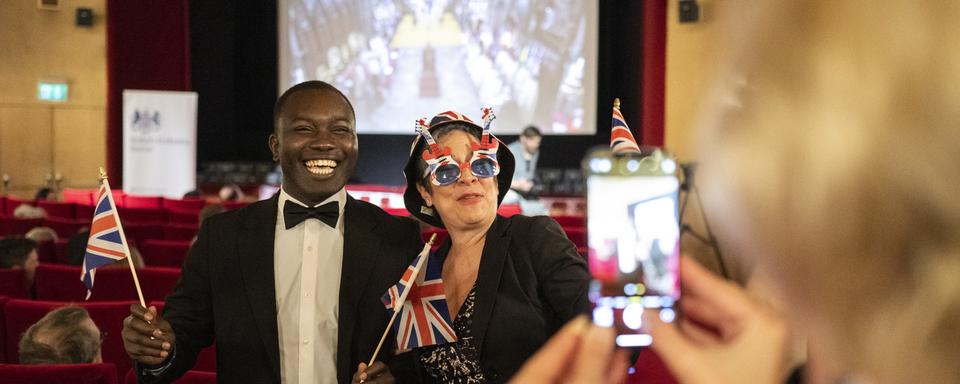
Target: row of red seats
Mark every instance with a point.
(156, 253)
(121, 199)
(70, 212)
(16, 315)
(105, 373)
(134, 230)
(82, 207)
(62, 283)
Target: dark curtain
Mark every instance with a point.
(148, 47)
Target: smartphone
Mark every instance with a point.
(633, 240)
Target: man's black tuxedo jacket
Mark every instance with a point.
(226, 293)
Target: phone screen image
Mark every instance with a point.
(633, 241)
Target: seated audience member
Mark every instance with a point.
(65, 335)
(209, 210)
(830, 154)
(231, 192)
(135, 255)
(27, 211)
(20, 253)
(194, 194)
(42, 234)
(77, 247)
(524, 189)
(44, 194)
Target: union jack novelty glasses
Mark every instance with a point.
(442, 169)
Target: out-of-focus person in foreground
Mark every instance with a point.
(830, 152)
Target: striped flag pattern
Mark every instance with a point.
(398, 293)
(621, 140)
(419, 297)
(106, 244)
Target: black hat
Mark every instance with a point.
(411, 197)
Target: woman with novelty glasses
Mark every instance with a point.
(510, 282)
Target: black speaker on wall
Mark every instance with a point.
(689, 11)
(84, 17)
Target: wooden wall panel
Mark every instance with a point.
(25, 137)
(40, 45)
(78, 145)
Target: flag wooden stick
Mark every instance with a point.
(126, 248)
(425, 253)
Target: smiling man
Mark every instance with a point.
(288, 288)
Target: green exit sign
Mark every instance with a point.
(52, 91)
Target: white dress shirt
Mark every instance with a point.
(307, 263)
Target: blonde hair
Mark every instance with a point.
(831, 154)
(41, 234)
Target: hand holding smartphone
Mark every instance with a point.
(633, 239)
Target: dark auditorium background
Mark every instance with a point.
(226, 51)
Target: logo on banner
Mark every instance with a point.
(146, 121)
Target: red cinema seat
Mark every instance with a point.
(16, 226)
(138, 233)
(164, 253)
(190, 377)
(63, 210)
(185, 204)
(79, 196)
(13, 283)
(397, 211)
(3, 205)
(119, 198)
(5, 225)
(62, 283)
(13, 203)
(182, 216)
(578, 235)
(21, 314)
(135, 201)
(183, 232)
(3, 332)
(105, 373)
(507, 210)
(140, 215)
(85, 212)
(207, 359)
(65, 227)
(570, 221)
(46, 252)
(60, 255)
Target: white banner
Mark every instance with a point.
(159, 142)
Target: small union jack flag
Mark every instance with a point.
(621, 140)
(397, 293)
(424, 318)
(107, 244)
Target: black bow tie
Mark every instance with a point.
(294, 214)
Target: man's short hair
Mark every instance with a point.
(531, 131)
(316, 85)
(14, 251)
(65, 339)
